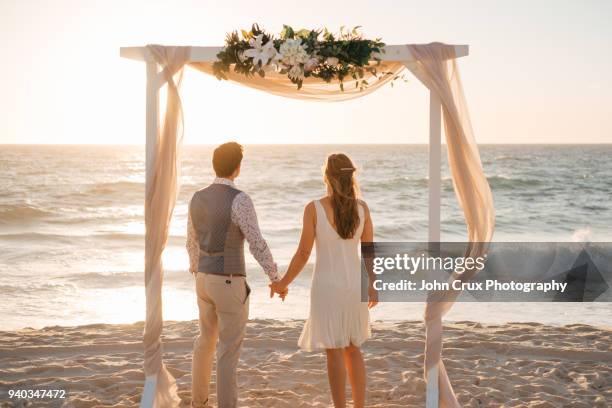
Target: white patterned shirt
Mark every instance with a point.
(243, 215)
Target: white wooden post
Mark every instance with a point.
(432, 395)
(152, 126)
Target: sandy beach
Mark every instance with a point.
(511, 365)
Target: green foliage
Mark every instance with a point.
(353, 53)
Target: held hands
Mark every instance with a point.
(279, 288)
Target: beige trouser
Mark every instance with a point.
(224, 309)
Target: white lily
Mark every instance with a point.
(261, 53)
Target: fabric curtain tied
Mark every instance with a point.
(435, 66)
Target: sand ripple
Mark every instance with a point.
(512, 365)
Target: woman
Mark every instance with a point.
(339, 321)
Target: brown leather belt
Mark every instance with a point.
(231, 275)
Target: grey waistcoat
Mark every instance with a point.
(221, 241)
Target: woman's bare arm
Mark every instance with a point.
(302, 254)
(367, 237)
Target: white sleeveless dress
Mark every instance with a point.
(337, 318)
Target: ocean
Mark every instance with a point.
(71, 224)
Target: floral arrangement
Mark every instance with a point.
(301, 54)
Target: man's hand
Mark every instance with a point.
(279, 288)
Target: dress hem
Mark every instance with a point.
(324, 347)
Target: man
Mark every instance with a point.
(221, 217)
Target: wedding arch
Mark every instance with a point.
(433, 64)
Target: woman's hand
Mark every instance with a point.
(372, 296)
(280, 288)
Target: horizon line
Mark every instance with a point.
(319, 144)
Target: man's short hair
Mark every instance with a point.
(226, 158)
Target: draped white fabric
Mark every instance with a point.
(160, 200)
(435, 66)
(313, 88)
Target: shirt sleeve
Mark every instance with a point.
(243, 215)
(193, 247)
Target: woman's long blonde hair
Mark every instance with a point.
(344, 193)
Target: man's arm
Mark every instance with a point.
(193, 247)
(243, 215)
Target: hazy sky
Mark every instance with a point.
(539, 71)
